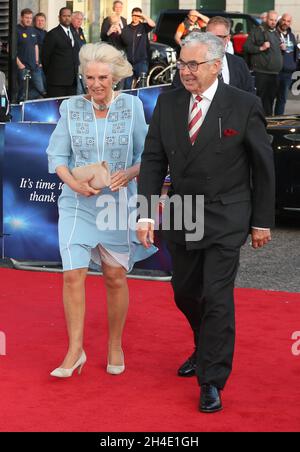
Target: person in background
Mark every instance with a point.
(194, 21)
(113, 26)
(60, 57)
(112, 125)
(114, 32)
(28, 60)
(290, 59)
(265, 48)
(39, 22)
(136, 42)
(263, 17)
(235, 71)
(76, 27)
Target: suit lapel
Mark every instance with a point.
(212, 127)
(181, 115)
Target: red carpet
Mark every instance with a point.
(263, 393)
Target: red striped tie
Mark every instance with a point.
(195, 119)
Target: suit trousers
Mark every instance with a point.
(266, 89)
(203, 284)
(285, 81)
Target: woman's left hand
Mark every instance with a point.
(119, 180)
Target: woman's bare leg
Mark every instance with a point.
(117, 308)
(74, 306)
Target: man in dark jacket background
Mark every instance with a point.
(290, 58)
(265, 49)
(136, 41)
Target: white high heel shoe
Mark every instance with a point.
(115, 370)
(67, 373)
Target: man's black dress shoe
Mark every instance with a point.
(210, 399)
(188, 368)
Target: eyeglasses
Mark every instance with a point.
(192, 65)
(222, 36)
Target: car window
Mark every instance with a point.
(241, 25)
(169, 24)
(169, 21)
(238, 26)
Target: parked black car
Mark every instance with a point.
(163, 47)
(284, 134)
(169, 19)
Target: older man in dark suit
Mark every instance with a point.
(60, 57)
(213, 138)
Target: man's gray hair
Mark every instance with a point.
(215, 45)
(78, 13)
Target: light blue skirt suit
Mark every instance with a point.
(107, 219)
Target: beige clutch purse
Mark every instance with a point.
(99, 173)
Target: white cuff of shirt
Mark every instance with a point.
(146, 220)
(260, 229)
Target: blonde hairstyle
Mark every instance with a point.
(105, 53)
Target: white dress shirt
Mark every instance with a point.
(225, 71)
(207, 98)
(68, 32)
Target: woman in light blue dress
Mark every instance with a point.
(102, 126)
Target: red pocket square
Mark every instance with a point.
(230, 132)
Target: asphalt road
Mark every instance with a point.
(277, 266)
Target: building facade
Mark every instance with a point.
(96, 10)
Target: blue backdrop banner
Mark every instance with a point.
(30, 194)
(16, 112)
(47, 110)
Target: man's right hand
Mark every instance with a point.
(145, 233)
(266, 45)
